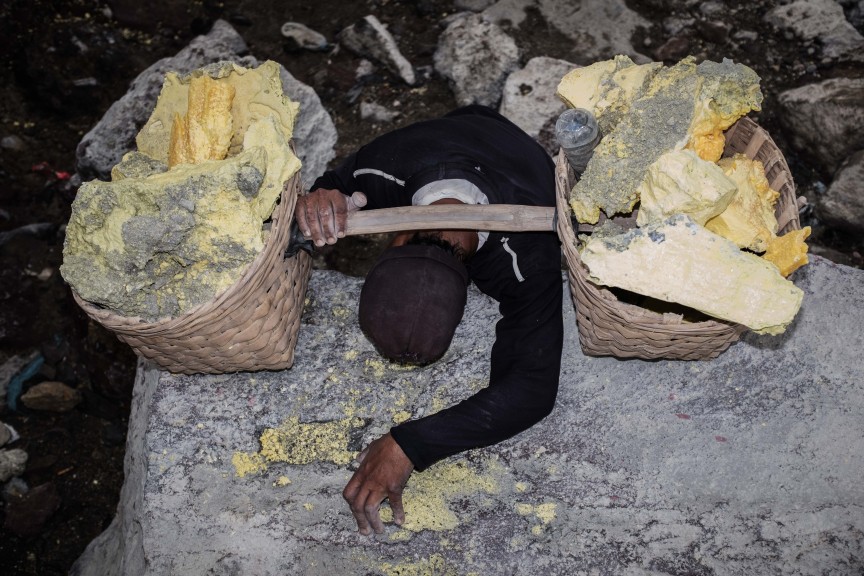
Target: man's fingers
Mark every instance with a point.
(372, 515)
(396, 506)
(329, 215)
(313, 223)
(353, 495)
(362, 455)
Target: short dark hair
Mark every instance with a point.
(435, 238)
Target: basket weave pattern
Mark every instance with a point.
(609, 327)
(252, 325)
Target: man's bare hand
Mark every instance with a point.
(322, 215)
(384, 470)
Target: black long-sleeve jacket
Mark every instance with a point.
(522, 271)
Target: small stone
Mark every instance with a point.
(13, 143)
(15, 488)
(51, 397)
(12, 463)
(377, 112)
(5, 434)
(369, 38)
(26, 516)
(301, 37)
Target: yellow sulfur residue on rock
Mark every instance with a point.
(204, 132)
(434, 565)
(681, 182)
(749, 219)
(296, 442)
(545, 512)
(788, 252)
(246, 463)
(428, 495)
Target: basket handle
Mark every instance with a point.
(493, 217)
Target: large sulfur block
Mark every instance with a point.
(680, 182)
(679, 261)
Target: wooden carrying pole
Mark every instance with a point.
(494, 217)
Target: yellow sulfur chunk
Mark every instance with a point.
(749, 219)
(204, 133)
(680, 182)
(606, 88)
(788, 252)
(679, 261)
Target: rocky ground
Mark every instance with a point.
(68, 61)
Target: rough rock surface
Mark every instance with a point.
(747, 464)
(843, 203)
(475, 56)
(114, 135)
(529, 99)
(824, 22)
(824, 120)
(599, 30)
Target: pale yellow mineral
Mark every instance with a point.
(679, 261)
(606, 88)
(680, 182)
(788, 252)
(749, 219)
(205, 131)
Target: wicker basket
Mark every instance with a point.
(250, 326)
(610, 327)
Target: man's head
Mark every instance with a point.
(413, 299)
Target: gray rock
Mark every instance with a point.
(674, 25)
(301, 37)
(370, 39)
(475, 56)
(842, 206)
(822, 21)
(114, 134)
(530, 101)
(13, 143)
(529, 98)
(12, 463)
(599, 30)
(747, 464)
(51, 397)
(824, 120)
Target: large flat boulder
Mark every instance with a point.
(747, 464)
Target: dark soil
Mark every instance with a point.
(66, 61)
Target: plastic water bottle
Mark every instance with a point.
(578, 134)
